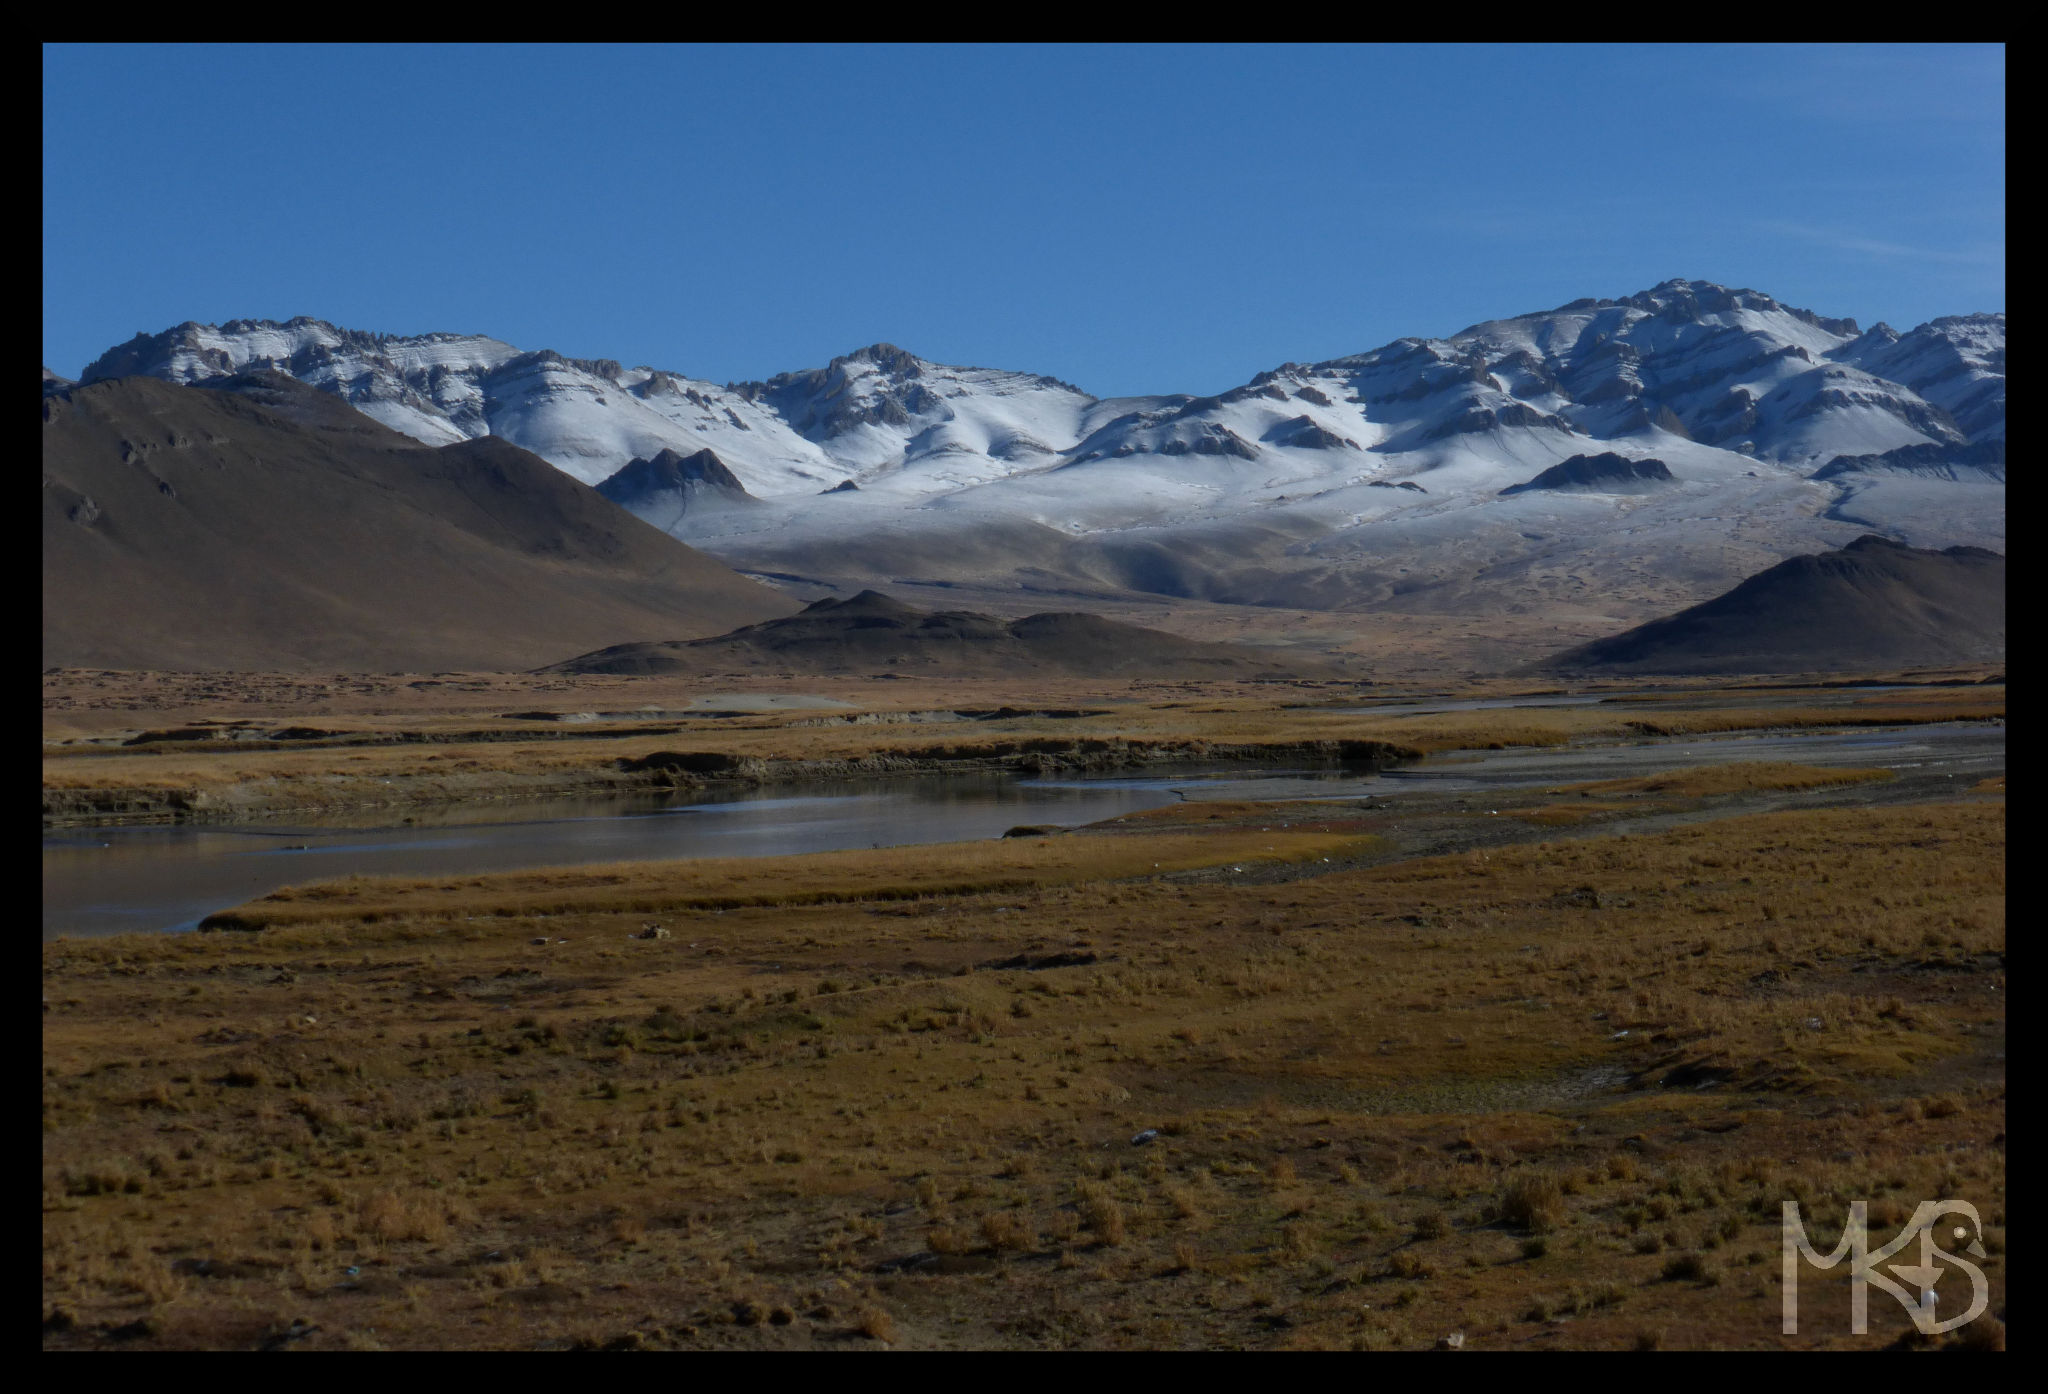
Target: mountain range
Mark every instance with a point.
(1410, 477)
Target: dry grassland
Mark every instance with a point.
(1539, 1095)
(1702, 780)
(468, 761)
(895, 873)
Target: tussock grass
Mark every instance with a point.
(1981, 707)
(1532, 1202)
(460, 757)
(1566, 814)
(1483, 1091)
(1700, 781)
(897, 873)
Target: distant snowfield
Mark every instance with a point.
(1368, 480)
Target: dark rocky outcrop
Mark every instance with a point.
(871, 631)
(671, 484)
(1478, 419)
(880, 385)
(1606, 473)
(1214, 440)
(1302, 433)
(1981, 460)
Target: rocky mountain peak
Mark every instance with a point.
(890, 359)
(671, 484)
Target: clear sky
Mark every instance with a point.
(1130, 219)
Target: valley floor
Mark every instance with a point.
(1532, 1075)
(170, 747)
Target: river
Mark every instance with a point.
(113, 880)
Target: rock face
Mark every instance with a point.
(1209, 438)
(871, 632)
(1981, 459)
(261, 524)
(1303, 433)
(1956, 362)
(1604, 474)
(1874, 604)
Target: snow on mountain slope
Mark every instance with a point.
(1729, 368)
(918, 427)
(426, 386)
(1956, 362)
(1367, 478)
(876, 412)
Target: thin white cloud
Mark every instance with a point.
(1890, 251)
(1900, 86)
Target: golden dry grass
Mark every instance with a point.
(1543, 1094)
(1743, 777)
(894, 873)
(462, 759)
(1565, 814)
(1982, 706)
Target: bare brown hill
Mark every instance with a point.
(1872, 604)
(870, 633)
(258, 523)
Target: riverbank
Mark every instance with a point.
(670, 771)
(114, 879)
(397, 761)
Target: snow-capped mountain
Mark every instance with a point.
(1734, 369)
(1956, 362)
(877, 409)
(431, 386)
(1365, 479)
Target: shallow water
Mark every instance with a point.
(1966, 746)
(114, 880)
(1429, 706)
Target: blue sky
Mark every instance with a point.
(1131, 219)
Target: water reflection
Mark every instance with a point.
(111, 880)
